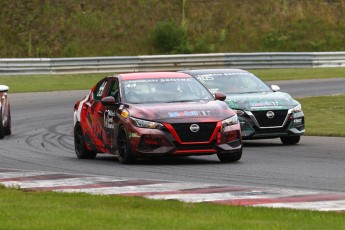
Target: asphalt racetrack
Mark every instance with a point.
(42, 140)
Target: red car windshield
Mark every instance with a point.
(166, 90)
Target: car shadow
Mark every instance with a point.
(261, 143)
(185, 160)
(188, 160)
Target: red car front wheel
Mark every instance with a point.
(124, 150)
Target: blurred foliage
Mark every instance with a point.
(168, 37)
(56, 28)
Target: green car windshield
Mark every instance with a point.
(165, 90)
(233, 83)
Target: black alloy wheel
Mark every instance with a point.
(79, 144)
(124, 150)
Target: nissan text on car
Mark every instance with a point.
(139, 115)
(5, 113)
(262, 110)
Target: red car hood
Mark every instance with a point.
(210, 111)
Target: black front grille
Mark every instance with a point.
(264, 121)
(186, 135)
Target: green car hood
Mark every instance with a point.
(261, 101)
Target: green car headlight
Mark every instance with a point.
(296, 109)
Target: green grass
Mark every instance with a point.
(112, 28)
(298, 74)
(324, 116)
(48, 210)
(37, 83)
(46, 83)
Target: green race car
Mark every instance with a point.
(262, 110)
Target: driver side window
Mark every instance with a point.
(99, 90)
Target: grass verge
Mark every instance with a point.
(298, 74)
(324, 116)
(46, 83)
(42, 83)
(49, 210)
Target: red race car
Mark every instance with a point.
(5, 114)
(138, 115)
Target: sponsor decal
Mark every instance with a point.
(190, 114)
(109, 119)
(175, 79)
(133, 135)
(133, 83)
(256, 105)
(264, 103)
(205, 77)
(210, 76)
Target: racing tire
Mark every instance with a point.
(2, 129)
(79, 144)
(7, 129)
(124, 153)
(290, 140)
(229, 157)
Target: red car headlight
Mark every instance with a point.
(230, 121)
(145, 124)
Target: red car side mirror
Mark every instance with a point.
(108, 101)
(220, 96)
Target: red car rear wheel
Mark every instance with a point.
(79, 144)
